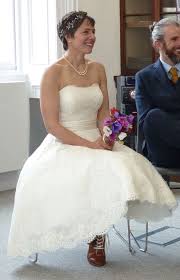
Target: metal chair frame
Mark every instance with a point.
(34, 257)
(131, 235)
(166, 174)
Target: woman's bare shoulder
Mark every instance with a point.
(56, 67)
(53, 72)
(95, 64)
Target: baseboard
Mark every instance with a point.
(8, 180)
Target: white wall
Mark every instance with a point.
(8, 180)
(14, 125)
(107, 47)
(14, 130)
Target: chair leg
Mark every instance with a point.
(137, 243)
(33, 258)
(127, 243)
(130, 234)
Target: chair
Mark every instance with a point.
(166, 173)
(136, 239)
(33, 258)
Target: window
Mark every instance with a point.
(41, 49)
(28, 36)
(7, 35)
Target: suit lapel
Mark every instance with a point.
(159, 72)
(161, 76)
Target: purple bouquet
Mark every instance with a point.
(117, 126)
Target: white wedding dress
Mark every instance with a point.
(68, 194)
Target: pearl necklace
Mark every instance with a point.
(81, 73)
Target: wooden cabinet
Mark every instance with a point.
(135, 18)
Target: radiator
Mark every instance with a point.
(14, 125)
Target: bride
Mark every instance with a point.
(75, 186)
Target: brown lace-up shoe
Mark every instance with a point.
(96, 253)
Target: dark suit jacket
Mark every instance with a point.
(154, 90)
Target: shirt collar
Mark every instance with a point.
(167, 67)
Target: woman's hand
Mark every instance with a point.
(100, 144)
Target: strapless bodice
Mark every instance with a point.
(79, 106)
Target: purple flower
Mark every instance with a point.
(116, 114)
(116, 127)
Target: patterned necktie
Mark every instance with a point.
(174, 74)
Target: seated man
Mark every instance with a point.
(158, 97)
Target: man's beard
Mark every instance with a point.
(171, 55)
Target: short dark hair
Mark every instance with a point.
(70, 23)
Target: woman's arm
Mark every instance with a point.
(104, 109)
(50, 106)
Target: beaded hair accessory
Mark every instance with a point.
(71, 24)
